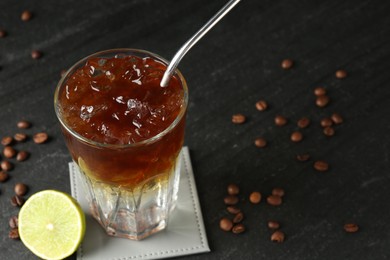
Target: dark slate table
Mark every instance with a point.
(229, 70)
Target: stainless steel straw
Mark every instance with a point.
(194, 39)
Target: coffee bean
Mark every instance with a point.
(261, 105)
(325, 122)
(6, 165)
(9, 152)
(303, 157)
(238, 218)
(7, 140)
(13, 222)
(329, 131)
(274, 200)
(303, 122)
(3, 176)
(233, 189)
(20, 189)
(260, 142)
(280, 120)
(278, 192)
(35, 54)
(40, 138)
(20, 137)
(22, 156)
(322, 101)
(336, 118)
(321, 166)
(238, 229)
(277, 236)
(233, 210)
(26, 16)
(296, 137)
(351, 227)
(255, 197)
(287, 64)
(340, 74)
(2, 33)
(238, 119)
(225, 224)
(14, 234)
(23, 124)
(319, 91)
(273, 224)
(230, 200)
(17, 201)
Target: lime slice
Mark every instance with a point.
(51, 224)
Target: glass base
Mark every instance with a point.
(134, 214)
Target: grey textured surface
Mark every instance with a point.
(227, 72)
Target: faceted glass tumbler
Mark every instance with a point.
(132, 188)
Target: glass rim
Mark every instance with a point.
(121, 146)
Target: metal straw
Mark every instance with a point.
(194, 39)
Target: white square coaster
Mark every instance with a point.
(184, 235)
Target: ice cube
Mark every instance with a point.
(86, 112)
(99, 88)
(110, 75)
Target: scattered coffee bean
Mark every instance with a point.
(260, 142)
(6, 165)
(303, 157)
(280, 120)
(277, 236)
(20, 189)
(321, 166)
(22, 156)
(238, 218)
(336, 118)
(261, 105)
(17, 201)
(238, 229)
(7, 140)
(233, 210)
(255, 197)
(23, 124)
(322, 101)
(26, 16)
(274, 200)
(3, 176)
(13, 222)
(273, 224)
(329, 131)
(325, 122)
(225, 224)
(35, 54)
(296, 136)
(9, 152)
(303, 122)
(340, 74)
(287, 64)
(14, 234)
(2, 33)
(319, 91)
(351, 227)
(20, 137)
(233, 189)
(278, 192)
(40, 138)
(238, 119)
(231, 200)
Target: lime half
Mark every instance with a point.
(51, 224)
